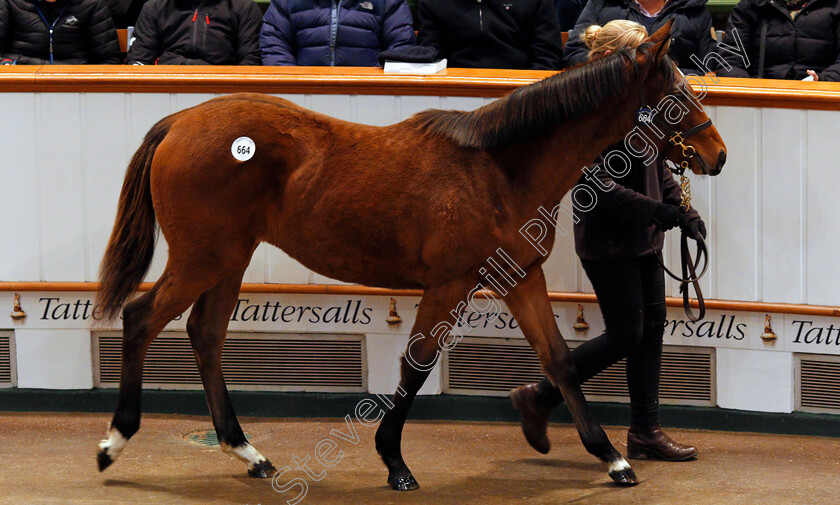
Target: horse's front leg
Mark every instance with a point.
(435, 318)
(529, 304)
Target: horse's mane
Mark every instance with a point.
(530, 110)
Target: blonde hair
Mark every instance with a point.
(614, 35)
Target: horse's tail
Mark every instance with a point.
(132, 244)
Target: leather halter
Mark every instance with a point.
(690, 277)
(675, 138)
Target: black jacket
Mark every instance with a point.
(619, 225)
(125, 12)
(809, 41)
(197, 32)
(84, 32)
(492, 33)
(568, 12)
(691, 32)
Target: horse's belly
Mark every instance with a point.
(351, 262)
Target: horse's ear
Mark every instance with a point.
(661, 40)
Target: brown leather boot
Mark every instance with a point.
(653, 443)
(534, 416)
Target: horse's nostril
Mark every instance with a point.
(721, 159)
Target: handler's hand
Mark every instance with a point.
(666, 216)
(694, 227)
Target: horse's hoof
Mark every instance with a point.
(103, 460)
(406, 483)
(264, 470)
(626, 477)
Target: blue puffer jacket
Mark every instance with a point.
(333, 32)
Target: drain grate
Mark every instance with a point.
(207, 438)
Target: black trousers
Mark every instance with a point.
(631, 294)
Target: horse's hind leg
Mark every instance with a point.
(143, 320)
(435, 317)
(529, 304)
(207, 327)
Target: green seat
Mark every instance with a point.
(721, 5)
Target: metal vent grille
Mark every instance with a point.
(494, 366)
(6, 370)
(818, 383)
(250, 361)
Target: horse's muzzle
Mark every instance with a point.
(720, 162)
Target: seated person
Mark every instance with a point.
(568, 12)
(492, 33)
(197, 32)
(691, 33)
(801, 39)
(82, 33)
(315, 33)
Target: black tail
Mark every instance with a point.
(132, 244)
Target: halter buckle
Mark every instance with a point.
(677, 139)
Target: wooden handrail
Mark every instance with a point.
(355, 290)
(369, 81)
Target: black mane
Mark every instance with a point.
(530, 110)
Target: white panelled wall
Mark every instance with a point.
(771, 214)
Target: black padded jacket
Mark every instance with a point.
(619, 224)
(521, 34)
(197, 32)
(809, 41)
(82, 32)
(691, 32)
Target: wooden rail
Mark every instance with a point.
(368, 81)
(354, 290)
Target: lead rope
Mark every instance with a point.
(689, 278)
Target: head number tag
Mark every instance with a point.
(243, 149)
(644, 116)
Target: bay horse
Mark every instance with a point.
(418, 204)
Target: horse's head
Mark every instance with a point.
(675, 121)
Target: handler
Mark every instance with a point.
(619, 242)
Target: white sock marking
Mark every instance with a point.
(619, 465)
(113, 445)
(246, 453)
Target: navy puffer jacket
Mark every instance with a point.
(333, 32)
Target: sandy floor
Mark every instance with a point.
(49, 459)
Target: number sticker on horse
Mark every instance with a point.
(243, 148)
